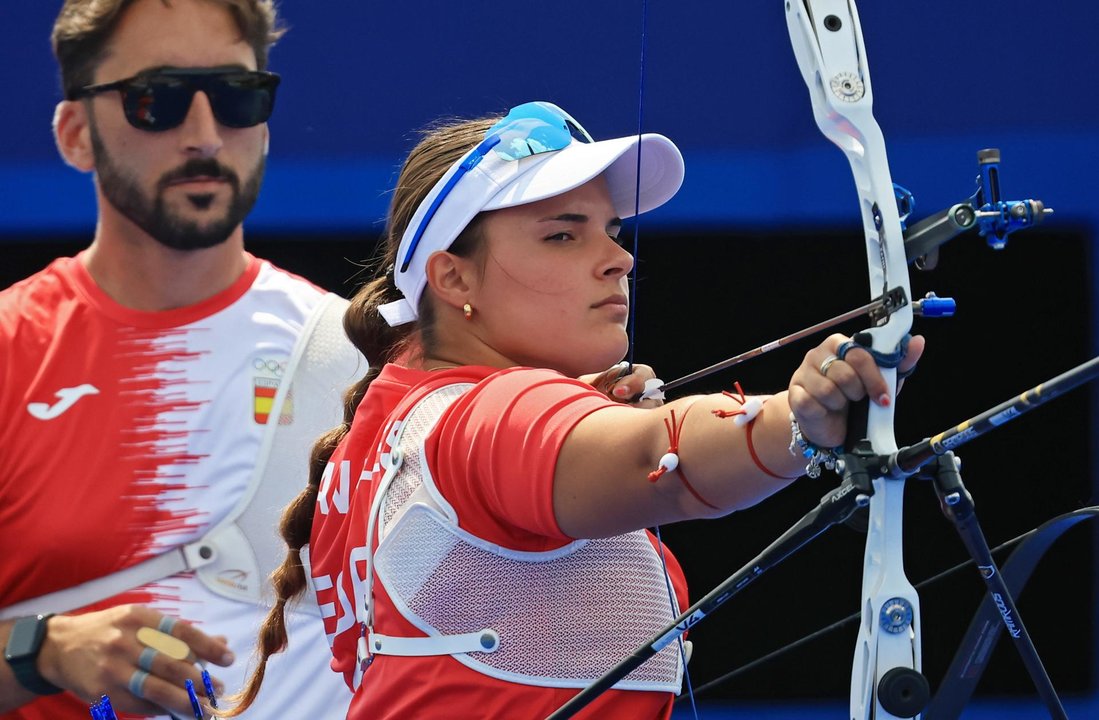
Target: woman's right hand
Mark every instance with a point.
(623, 383)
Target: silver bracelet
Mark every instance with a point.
(816, 456)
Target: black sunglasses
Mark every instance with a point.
(159, 100)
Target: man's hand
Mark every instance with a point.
(99, 653)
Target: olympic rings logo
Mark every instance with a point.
(271, 367)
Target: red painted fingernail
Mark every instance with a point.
(883, 400)
(621, 391)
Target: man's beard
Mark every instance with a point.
(152, 214)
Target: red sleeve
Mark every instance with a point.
(494, 453)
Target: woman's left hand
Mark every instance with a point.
(823, 387)
(623, 384)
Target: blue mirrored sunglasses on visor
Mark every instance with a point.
(528, 129)
(159, 100)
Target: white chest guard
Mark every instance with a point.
(557, 619)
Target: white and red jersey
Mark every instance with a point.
(124, 434)
(492, 456)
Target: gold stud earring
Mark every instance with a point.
(468, 310)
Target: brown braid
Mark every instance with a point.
(440, 146)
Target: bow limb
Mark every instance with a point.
(827, 41)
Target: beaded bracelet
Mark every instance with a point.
(816, 456)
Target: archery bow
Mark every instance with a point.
(886, 678)
(827, 42)
(828, 45)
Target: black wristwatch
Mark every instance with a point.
(24, 643)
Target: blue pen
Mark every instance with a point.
(209, 685)
(195, 706)
(97, 714)
(108, 711)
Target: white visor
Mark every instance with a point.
(495, 183)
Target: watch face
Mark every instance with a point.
(25, 639)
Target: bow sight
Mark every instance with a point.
(995, 218)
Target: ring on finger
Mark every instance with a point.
(166, 624)
(827, 364)
(136, 685)
(145, 660)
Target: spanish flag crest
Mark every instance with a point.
(264, 390)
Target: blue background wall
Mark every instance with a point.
(720, 79)
(762, 187)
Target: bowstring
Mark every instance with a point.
(632, 331)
